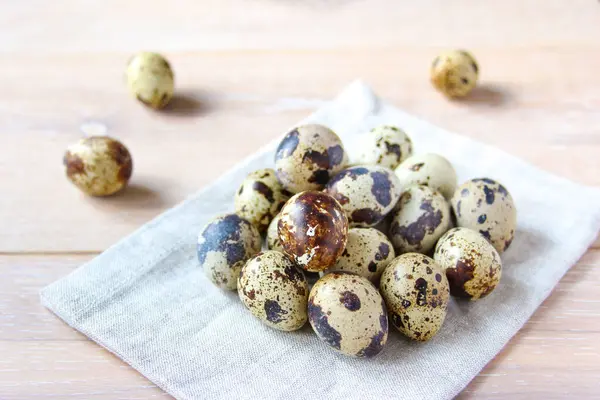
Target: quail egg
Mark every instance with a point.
(308, 156)
(98, 165)
(367, 193)
(224, 246)
(385, 145)
(347, 312)
(421, 217)
(274, 290)
(150, 79)
(416, 292)
(367, 253)
(454, 73)
(313, 230)
(260, 197)
(273, 242)
(429, 169)
(472, 265)
(485, 206)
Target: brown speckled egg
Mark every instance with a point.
(313, 230)
(472, 264)
(224, 246)
(454, 73)
(260, 197)
(485, 206)
(367, 193)
(367, 253)
(347, 312)
(150, 79)
(416, 292)
(308, 156)
(273, 242)
(430, 170)
(421, 217)
(274, 290)
(98, 165)
(385, 145)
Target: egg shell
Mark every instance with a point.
(367, 253)
(224, 246)
(150, 79)
(485, 205)
(472, 264)
(416, 293)
(347, 312)
(430, 170)
(421, 217)
(313, 230)
(367, 193)
(260, 197)
(273, 242)
(274, 290)
(308, 156)
(98, 165)
(454, 73)
(384, 145)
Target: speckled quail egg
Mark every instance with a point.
(429, 169)
(260, 197)
(313, 230)
(273, 242)
(347, 312)
(421, 217)
(308, 156)
(224, 246)
(150, 79)
(454, 73)
(416, 292)
(98, 165)
(367, 253)
(385, 145)
(274, 290)
(472, 265)
(485, 206)
(367, 193)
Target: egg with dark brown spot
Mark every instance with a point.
(313, 230)
(384, 145)
(428, 169)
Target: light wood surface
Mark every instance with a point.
(246, 70)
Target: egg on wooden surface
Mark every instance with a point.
(384, 145)
(431, 170)
(454, 73)
(150, 79)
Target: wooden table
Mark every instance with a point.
(246, 70)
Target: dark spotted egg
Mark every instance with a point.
(485, 206)
(273, 242)
(416, 292)
(313, 230)
(430, 170)
(367, 253)
(274, 290)
(384, 145)
(421, 217)
(347, 312)
(308, 156)
(472, 264)
(224, 246)
(367, 193)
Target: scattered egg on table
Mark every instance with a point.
(150, 79)
(98, 165)
(384, 145)
(485, 206)
(273, 242)
(367, 253)
(421, 217)
(313, 230)
(416, 292)
(308, 156)
(224, 246)
(430, 170)
(347, 312)
(454, 73)
(260, 197)
(367, 193)
(472, 264)
(274, 290)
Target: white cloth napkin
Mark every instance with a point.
(146, 300)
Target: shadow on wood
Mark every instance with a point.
(135, 195)
(189, 104)
(486, 95)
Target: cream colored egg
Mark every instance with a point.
(416, 292)
(384, 145)
(150, 79)
(454, 73)
(273, 242)
(430, 170)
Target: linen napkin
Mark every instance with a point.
(146, 300)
